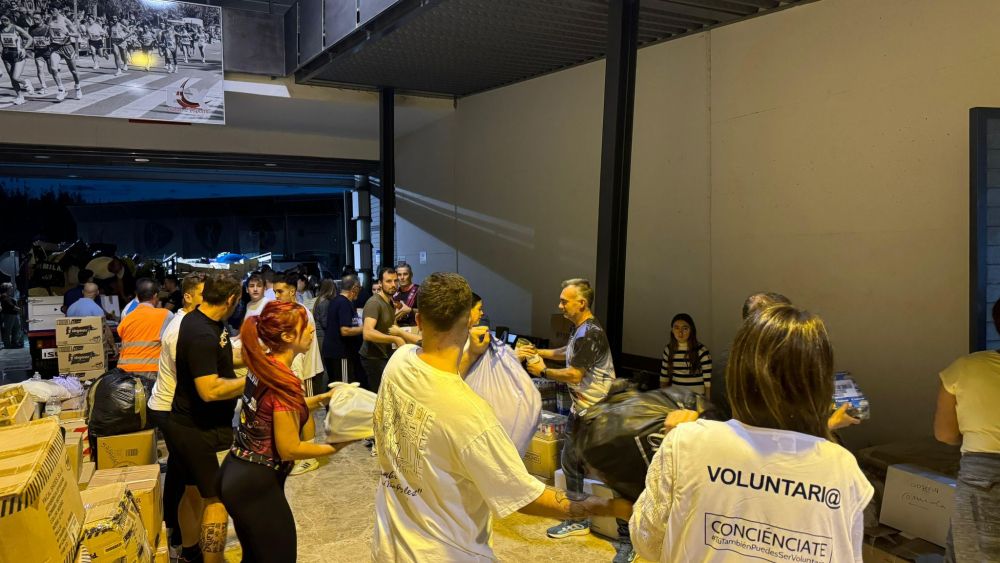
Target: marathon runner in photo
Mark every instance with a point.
(168, 46)
(41, 46)
(15, 42)
(199, 42)
(185, 41)
(95, 36)
(119, 45)
(63, 33)
(147, 38)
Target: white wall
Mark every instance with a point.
(821, 152)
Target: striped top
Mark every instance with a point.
(684, 374)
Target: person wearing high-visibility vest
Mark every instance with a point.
(141, 332)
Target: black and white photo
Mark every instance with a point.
(133, 59)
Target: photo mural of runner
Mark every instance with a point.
(132, 59)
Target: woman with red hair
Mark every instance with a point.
(274, 417)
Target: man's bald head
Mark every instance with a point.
(90, 290)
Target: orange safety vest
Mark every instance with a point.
(140, 332)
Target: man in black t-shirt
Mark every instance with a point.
(201, 421)
(343, 335)
(175, 301)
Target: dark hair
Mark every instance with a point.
(445, 299)
(348, 270)
(288, 278)
(191, 281)
(145, 289)
(327, 289)
(349, 282)
(266, 328)
(694, 363)
(173, 278)
(996, 315)
(780, 371)
(383, 270)
(476, 298)
(219, 288)
(85, 276)
(404, 265)
(762, 300)
(256, 276)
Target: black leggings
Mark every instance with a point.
(254, 495)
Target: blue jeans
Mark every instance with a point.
(975, 524)
(575, 470)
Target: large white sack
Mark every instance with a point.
(497, 377)
(350, 413)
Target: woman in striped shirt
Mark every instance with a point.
(686, 362)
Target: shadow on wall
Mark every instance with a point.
(486, 247)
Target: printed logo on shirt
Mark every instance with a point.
(778, 485)
(764, 541)
(406, 425)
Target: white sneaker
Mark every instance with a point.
(19, 100)
(97, 66)
(42, 91)
(31, 89)
(118, 72)
(79, 93)
(61, 94)
(304, 466)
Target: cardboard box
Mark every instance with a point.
(79, 330)
(542, 457)
(126, 450)
(72, 414)
(603, 525)
(162, 554)
(81, 357)
(918, 502)
(86, 474)
(82, 555)
(43, 312)
(113, 530)
(16, 407)
(41, 513)
(74, 452)
(144, 482)
(79, 426)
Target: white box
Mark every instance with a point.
(43, 312)
(603, 525)
(918, 502)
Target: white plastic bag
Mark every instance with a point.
(497, 377)
(350, 413)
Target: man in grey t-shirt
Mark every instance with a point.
(379, 331)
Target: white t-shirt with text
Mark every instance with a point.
(447, 467)
(726, 491)
(162, 396)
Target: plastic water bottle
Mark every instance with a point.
(36, 377)
(53, 407)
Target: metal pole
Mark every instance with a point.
(616, 158)
(387, 173)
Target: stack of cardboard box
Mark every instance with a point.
(43, 513)
(113, 529)
(542, 457)
(144, 483)
(81, 347)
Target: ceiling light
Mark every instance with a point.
(270, 164)
(141, 160)
(41, 157)
(72, 176)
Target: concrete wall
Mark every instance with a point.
(821, 152)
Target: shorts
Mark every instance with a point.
(42, 52)
(67, 51)
(96, 44)
(13, 57)
(197, 453)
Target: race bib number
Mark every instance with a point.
(8, 40)
(58, 34)
(41, 41)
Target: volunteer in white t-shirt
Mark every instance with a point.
(181, 510)
(967, 415)
(767, 485)
(258, 298)
(447, 466)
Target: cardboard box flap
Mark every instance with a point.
(27, 461)
(107, 508)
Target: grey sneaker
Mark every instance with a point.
(624, 553)
(568, 528)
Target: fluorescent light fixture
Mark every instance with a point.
(141, 160)
(270, 164)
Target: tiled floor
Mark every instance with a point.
(334, 516)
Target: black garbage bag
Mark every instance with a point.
(617, 438)
(117, 404)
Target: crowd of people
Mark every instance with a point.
(52, 37)
(772, 480)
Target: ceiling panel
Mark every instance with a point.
(462, 47)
